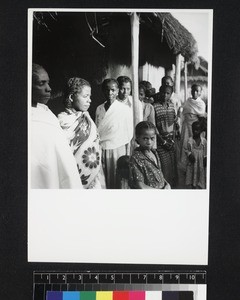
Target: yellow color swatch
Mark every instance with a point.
(104, 295)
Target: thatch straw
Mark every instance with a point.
(196, 78)
(178, 38)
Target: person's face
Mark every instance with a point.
(141, 94)
(110, 91)
(196, 92)
(166, 94)
(146, 139)
(125, 90)
(168, 82)
(41, 91)
(82, 100)
(196, 130)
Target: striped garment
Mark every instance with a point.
(165, 117)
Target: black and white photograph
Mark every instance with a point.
(120, 100)
(119, 150)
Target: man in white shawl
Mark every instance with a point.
(192, 109)
(52, 163)
(115, 126)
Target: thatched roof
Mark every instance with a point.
(197, 72)
(88, 44)
(178, 38)
(168, 29)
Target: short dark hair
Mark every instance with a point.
(165, 78)
(73, 85)
(164, 87)
(123, 162)
(141, 86)
(146, 83)
(123, 79)
(107, 81)
(195, 86)
(35, 70)
(144, 125)
(196, 123)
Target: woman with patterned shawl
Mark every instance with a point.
(115, 125)
(82, 133)
(165, 117)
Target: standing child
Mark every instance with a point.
(144, 166)
(149, 91)
(166, 118)
(125, 90)
(196, 151)
(115, 127)
(193, 109)
(123, 172)
(147, 108)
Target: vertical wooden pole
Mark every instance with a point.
(185, 81)
(135, 66)
(178, 74)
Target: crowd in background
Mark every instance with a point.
(167, 149)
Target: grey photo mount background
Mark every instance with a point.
(224, 236)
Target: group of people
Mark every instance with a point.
(73, 151)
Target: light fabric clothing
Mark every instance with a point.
(83, 138)
(165, 117)
(115, 125)
(109, 163)
(52, 163)
(176, 101)
(142, 168)
(123, 184)
(115, 128)
(192, 109)
(196, 173)
(128, 101)
(195, 106)
(148, 112)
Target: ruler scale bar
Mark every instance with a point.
(113, 278)
(109, 285)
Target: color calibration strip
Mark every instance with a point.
(164, 285)
(121, 295)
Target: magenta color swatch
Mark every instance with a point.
(137, 295)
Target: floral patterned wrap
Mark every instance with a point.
(84, 141)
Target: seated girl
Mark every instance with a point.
(144, 166)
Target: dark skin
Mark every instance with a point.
(110, 92)
(146, 142)
(196, 136)
(165, 95)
